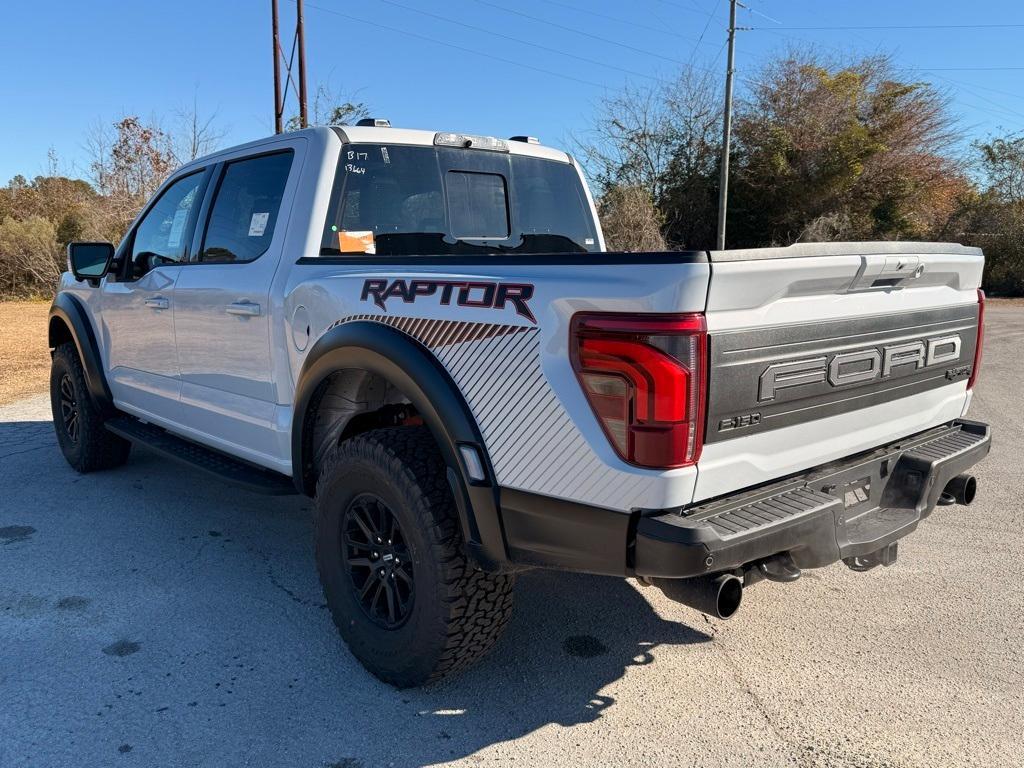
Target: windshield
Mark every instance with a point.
(410, 201)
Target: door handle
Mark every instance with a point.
(244, 308)
(157, 302)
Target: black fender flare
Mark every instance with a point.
(413, 369)
(68, 310)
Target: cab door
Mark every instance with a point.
(222, 317)
(137, 304)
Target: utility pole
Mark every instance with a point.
(278, 106)
(298, 41)
(723, 184)
(300, 32)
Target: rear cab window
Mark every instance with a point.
(400, 200)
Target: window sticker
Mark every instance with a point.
(356, 241)
(258, 224)
(177, 228)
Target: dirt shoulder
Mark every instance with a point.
(24, 356)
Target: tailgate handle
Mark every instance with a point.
(879, 272)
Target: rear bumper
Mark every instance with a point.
(847, 510)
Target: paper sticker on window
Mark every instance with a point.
(258, 224)
(177, 228)
(356, 241)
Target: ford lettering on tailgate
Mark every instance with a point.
(845, 368)
(767, 378)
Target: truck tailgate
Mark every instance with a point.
(818, 351)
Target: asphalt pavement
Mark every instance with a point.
(150, 616)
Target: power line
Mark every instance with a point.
(960, 86)
(901, 26)
(691, 7)
(519, 40)
(574, 31)
(350, 17)
(704, 31)
(966, 69)
(619, 20)
(985, 88)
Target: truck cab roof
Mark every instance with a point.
(362, 134)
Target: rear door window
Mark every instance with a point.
(245, 208)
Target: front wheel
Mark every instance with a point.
(86, 444)
(390, 554)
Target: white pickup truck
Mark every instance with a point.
(424, 332)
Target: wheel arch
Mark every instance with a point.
(409, 366)
(69, 322)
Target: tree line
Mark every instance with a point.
(128, 161)
(822, 150)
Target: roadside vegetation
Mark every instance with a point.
(823, 149)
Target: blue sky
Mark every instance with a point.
(68, 64)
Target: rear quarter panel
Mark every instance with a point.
(514, 371)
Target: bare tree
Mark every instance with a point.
(630, 220)
(128, 164)
(30, 258)
(331, 107)
(195, 134)
(662, 139)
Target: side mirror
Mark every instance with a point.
(90, 261)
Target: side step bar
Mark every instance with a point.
(231, 470)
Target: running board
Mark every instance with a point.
(220, 465)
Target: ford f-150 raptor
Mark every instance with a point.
(425, 332)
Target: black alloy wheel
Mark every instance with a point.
(69, 408)
(378, 561)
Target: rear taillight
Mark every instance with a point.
(644, 377)
(981, 338)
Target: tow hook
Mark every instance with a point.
(779, 568)
(884, 556)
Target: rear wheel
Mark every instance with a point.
(389, 550)
(83, 440)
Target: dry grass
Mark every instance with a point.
(24, 355)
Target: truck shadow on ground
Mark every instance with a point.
(572, 636)
(205, 554)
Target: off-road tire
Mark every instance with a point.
(92, 447)
(457, 612)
